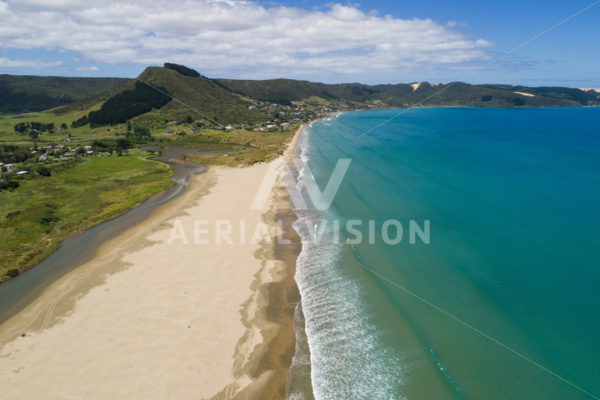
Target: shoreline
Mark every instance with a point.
(122, 317)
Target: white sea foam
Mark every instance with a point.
(347, 359)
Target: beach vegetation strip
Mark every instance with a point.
(249, 147)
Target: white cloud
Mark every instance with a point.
(453, 24)
(90, 68)
(237, 37)
(15, 63)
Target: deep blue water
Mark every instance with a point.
(504, 300)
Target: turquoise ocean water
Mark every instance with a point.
(504, 300)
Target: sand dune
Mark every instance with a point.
(415, 86)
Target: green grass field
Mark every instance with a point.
(8, 121)
(252, 146)
(36, 217)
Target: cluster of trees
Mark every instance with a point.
(119, 146)
(139, 133)
(128, 104)
(80, 122)
(183, 70)
(33, 128)
(43, 170)
(24, 127)
(12, 154)
(9, 184)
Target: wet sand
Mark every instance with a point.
(157, 313)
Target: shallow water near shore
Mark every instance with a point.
(503, 302)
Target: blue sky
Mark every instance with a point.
(375, 42)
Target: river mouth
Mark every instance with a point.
(20, 291)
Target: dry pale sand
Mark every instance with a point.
(590, 89)
(167, 310)
(526, 94)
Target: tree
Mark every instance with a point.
(43, 170)
(128, 126)
(21, 127)
(9, 184)
(80, 122)
(63, 126)
(34, 135)
(99, 146)
(128, 104)
(141, 131)
(188, 120)
(123, 144)
(182, 69)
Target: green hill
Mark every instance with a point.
(171, 93)
(184, 93)
(200, 97)
(401, 95)
(19, 94)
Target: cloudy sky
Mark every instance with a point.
(376, 42)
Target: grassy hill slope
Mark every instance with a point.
(199, 97)
(195, 96)
(20, 94)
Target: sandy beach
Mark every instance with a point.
(195, 302)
